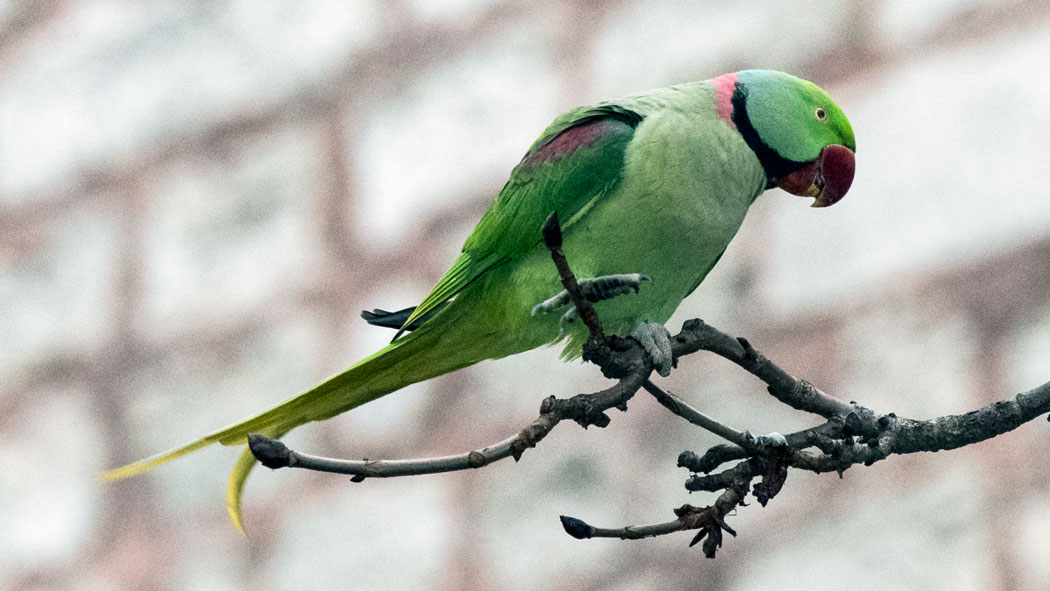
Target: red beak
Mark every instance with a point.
(827, 178)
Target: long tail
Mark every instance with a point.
(433, 350)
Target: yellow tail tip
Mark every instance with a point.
(235, 489)
(237, 519)
(128, 471)
(149, 463)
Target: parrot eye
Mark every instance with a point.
(821, 114)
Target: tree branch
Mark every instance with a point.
(681, 408)
(851, 434)
(799, 394)
(585, 409)
(709, 520)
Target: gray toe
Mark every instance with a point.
(656, 341)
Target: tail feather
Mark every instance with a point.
(336, 394)
(420, 355)
(235, 486)
(396, 320)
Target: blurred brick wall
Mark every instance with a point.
(196, 199)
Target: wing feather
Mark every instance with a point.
(577, 160)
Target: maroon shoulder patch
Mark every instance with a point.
(578, 136)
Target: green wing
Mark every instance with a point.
(577, 160)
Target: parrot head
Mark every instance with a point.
(801, 137)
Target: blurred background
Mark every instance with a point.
(197, 199)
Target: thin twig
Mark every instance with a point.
(709, 520)
(697, 335)
(585, 409)
(680, 407)
(581, 530)
(271, 454)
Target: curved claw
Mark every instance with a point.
(568, 317)
(609, 286)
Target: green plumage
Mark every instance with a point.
(655, 183)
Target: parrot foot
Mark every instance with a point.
(595, 290)
(656, 340)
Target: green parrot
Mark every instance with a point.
(649, 189)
